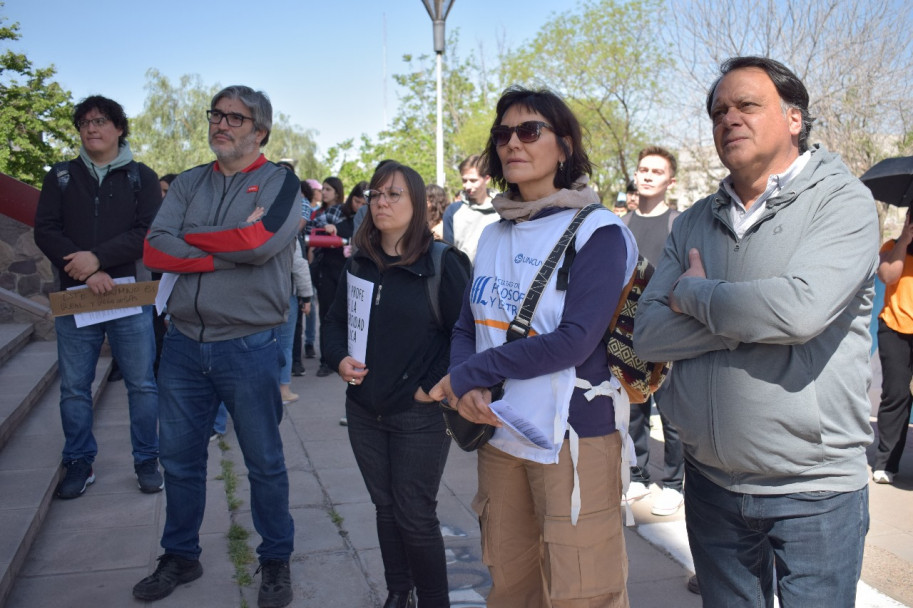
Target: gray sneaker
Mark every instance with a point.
(78, 477)
(148, 476)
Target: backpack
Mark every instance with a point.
(62, 170)
(639, 378)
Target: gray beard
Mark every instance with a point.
(238, 151)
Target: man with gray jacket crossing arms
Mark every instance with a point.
(762, 299)
(225, 228)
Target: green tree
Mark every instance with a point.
(852, 56)
(410, 138)
(35, 115)
(171, 133)
(607, 66)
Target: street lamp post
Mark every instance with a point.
(438, 10)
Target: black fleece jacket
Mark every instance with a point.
(108, 219)
(406, 348)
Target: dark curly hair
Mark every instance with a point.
(112, 110)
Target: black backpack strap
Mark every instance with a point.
(433, 283)
(520, 326)
(133, 175)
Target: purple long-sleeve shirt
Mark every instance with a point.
(577, 342)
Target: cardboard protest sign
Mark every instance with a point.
(77, 301)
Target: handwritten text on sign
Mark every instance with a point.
(122, 296)
(359, 307)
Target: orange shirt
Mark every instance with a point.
(898, 298)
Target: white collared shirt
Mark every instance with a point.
(743, 219)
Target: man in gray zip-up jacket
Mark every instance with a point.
(225, 229)
(763, 298)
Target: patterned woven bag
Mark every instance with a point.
(639, 378)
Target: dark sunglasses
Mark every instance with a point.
(527, 132)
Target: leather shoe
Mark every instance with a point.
(400, 599)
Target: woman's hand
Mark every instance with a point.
(442, 390)
(473, 406)
(422, 397)
(330, 229)
(352, 371)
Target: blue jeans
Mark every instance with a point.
(811, 541)
(286, 337)
(220, 425)
(401, 458)
(132, 341)
(195, 377)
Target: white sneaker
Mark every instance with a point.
(883, 477)
(668, 503)
(636, 491)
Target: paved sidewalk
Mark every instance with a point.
(92, 550)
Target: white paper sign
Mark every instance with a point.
(520, 425)
(85, 319)
(166, 285)
(359, 307)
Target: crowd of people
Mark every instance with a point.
(761, 298)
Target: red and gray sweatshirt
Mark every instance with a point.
(235, 275)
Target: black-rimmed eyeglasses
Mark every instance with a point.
(97, 122)
(232, 118)
(527, 132)
(392, 194)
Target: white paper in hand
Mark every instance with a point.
(520, 425)
(359, 297)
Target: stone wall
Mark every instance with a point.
(24, 271)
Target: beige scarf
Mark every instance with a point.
(577, 197)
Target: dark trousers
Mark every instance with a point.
(673, 457)
(896, 353)
(296, 341)
(401, 458)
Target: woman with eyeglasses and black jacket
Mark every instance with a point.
(396, 430)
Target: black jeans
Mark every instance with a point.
(402, 458)
(896, 353)
(673, 457)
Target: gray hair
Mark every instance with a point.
(256, 101)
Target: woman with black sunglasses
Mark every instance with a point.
(549, 512)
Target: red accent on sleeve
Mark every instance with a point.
(235, 239)
(160, 260)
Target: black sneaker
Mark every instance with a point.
(309, 351)
(171, 572)
(78, 477)
(148, 476)
(298, 368)
(324, 370)
(275, 584)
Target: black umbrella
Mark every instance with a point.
(891, 180)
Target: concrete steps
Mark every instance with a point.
(31, 439)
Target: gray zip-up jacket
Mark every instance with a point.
(771, 350)
(235, 275)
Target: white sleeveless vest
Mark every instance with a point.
(508, 257)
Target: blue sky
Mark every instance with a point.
(321, 63)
